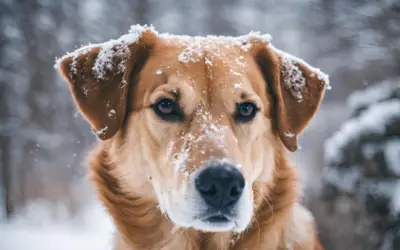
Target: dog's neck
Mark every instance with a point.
(141, 225)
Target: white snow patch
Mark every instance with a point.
(170, 148)
(392, 156)
(101, 131)
(209, 40)
(112, 113)
(159, 72)
(179, 159)
(293, 77)
(118, 47)
(290, 60)
(395, 201)
(209, 131)
(373, 94)
(390, 189)
(213, 132)
(239, 60)
(84, 88)
(192, 53)
(380, 188)
(108, 50)
(344, 179)
(245, 40)
(238, 85)
(372, 120)
(195, 45)
(234, 72)
(289, 134)
(36, 230)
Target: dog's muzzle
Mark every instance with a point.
(220, 187)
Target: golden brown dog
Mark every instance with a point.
(194, 132)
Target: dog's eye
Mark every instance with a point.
(165, 106)
(246, 111)
(168, 110)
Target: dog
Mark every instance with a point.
(193, 138)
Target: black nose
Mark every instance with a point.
(220, 186)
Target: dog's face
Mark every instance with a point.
(194, 123)
(205, 134)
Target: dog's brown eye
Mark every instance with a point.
(168, 110)
(165, 106)
(246, 111)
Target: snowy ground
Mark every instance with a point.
(92, 230)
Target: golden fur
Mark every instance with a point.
(134, 166)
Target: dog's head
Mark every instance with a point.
(193, 123)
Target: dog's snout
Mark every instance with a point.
(220, 186)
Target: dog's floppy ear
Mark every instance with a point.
(296, 87)
(99, 78)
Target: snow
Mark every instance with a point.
(112, 113)
(365, 123)
(195, 45)
(193, 52)
(37, 230)
(293, 77)
(210, 130)
(109, 49)
(179, 160)
(289, 60)
(240, 41)
(104, 59)
(239, 60)
(237, 85)
(373, 94)
(289, 134)
(344, 179)
(101, 131)
(392, 156)
(119, 47)
(234, 72)
(159, 72)
(379, 187)
(391, 151)
(395, 202)
(350, 180)
(389, 189)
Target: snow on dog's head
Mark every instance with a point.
(196, 121)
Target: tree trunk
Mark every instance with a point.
(5, 140)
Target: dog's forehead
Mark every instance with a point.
(212, 52)
(212, 66)
(206, 61)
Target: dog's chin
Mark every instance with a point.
(215, 226)
(216, 223)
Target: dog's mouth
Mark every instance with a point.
(217, 219)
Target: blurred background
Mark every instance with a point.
(350, 155)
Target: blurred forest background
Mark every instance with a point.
(44, 140)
